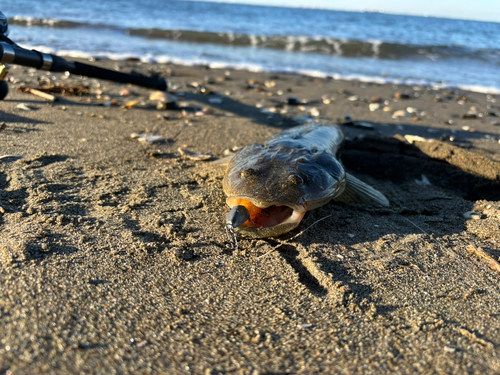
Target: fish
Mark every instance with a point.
(295, 171)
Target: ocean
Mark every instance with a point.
(371, 47)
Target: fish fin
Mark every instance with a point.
(222, 162)
(360, 192)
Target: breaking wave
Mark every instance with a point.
(303, 44)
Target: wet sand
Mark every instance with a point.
(114, 257)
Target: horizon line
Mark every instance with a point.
(375, 11)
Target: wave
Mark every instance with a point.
(166, 59)
(303, 44)
(55, 23)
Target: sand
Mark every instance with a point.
(114, 257)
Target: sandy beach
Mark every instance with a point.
(114, 257)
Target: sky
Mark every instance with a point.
(481, 10)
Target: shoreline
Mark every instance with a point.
(114, 256)
(382, 79)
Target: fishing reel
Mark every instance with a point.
(11, 53)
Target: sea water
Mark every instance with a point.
(345, 45)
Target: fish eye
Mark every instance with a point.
(296, 179)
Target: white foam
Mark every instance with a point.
(29, 20)
(335, 44)
(254, 42)
(481, 89)
(43, 49)
(375, 46)
(20, 18)
(290, 43)
(262, 68)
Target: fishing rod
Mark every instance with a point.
(11, 53)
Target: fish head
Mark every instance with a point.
(277, 185)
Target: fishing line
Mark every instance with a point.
(298, 234)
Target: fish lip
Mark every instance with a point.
(290, 223)
(231, 202)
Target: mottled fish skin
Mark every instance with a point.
(297, 168)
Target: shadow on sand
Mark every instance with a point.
(428, 187)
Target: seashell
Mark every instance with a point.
(193, 155)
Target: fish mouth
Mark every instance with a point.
(267, 218)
